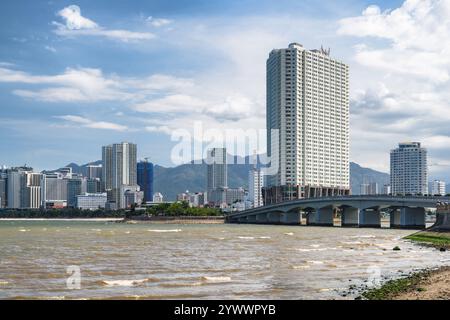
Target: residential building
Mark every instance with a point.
(94, 171)
(145, 179)
(119, 170)
(387, 189)
(409, 171)
(217, 169)
(255, 186)
(438, 188)
(74, 189)
(307, 117)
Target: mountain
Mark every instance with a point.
(192, 177)
(360, 175)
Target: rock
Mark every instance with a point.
(396, 248)
(442, 249)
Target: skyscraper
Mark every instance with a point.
(409, 172)
(217, 169)
(308, 105)
(94, 171)
(255, 185)
(438, 188)
(73, 190)
(145, 179)
(119, 169)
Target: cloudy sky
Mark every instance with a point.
(78, 75)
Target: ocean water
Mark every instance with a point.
(107, 260)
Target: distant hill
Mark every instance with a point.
(192, 177)
(360, 175)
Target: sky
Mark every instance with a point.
(76, 75)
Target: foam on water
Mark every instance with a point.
(217, 279)
(164, 230)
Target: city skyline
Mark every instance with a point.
(41, 79)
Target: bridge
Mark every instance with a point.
(357, 211)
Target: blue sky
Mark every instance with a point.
(77, 75)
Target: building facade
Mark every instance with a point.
(307, 124)
(409, 171)
(217, 175)
(438, 188)
(255, 186)
(91, 201)
(145, 179)
(119, 170)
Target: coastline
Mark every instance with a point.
(425, 284)
(176, 220)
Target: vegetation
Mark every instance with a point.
(181, 209)
(441, 240)
(60, 213)
(393, 288)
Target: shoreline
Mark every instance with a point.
(424, 284)
(175, 220)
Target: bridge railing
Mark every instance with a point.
(351, 197)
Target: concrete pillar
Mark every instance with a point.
(251, 219)
(290, 218)
(395, 216)
(350, 217)
(242, 220)
(412, 218)
(261, 218)
(370, 218)
(273, 217)
(323, 217)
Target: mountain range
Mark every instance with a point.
(174, 180)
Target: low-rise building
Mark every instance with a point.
(91, 201)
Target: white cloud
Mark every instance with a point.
(417, 32)
(50, 48)
(158, 22)
(401, 80)
(74, 85)
(84, 122)
(77, 25)
(74, 19)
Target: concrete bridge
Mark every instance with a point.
(357, 211)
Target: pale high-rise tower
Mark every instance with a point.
(308, 105)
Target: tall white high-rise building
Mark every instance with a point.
(438, 188)
(409, 171)
(255, 185)
(119, 169)
(217, 169)
(308, 103)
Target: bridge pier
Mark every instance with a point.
(408, 218)
(251, 219)
(350, 217)
(261, 218)
(291, 218)
(370, 218)
(321, 217)
(274, 217)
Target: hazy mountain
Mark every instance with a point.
(192, 177)
(360, 175)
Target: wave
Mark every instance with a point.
(315, 262)
(246, 238)
(164, 230)
(217, 279)
(301, 267)
(289, 233)
(124, 283)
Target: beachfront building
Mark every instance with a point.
(307, 124)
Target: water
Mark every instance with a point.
(154, 261)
